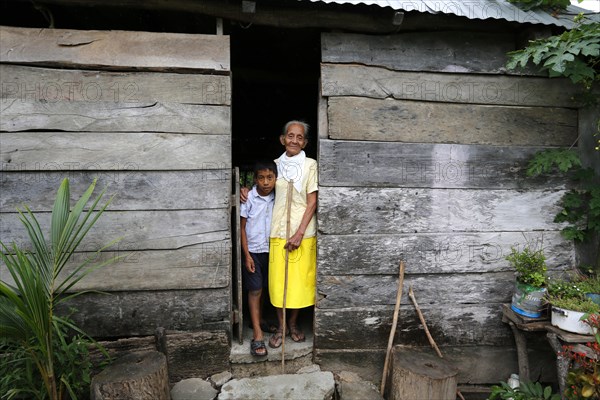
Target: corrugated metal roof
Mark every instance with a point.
(478, 9)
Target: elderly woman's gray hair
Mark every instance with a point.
(296, 122)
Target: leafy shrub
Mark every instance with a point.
(45, 355)
(530, 266)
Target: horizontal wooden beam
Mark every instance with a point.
(461, 324)
(96, 116)
(433, 253)
(334, 292)
(47, 85)
(395, 164)
(345, 211)
(130, 151)
(126, 314)
(115, 49)
(131, 189)
(422, 51)
(359, 118)
(380, 83)
(202, 266)
(139, 230)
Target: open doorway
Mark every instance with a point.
(275, 75)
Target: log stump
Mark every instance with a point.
(136, 376)
(417, 374)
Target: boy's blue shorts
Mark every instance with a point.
(260, 278)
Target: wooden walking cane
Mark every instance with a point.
(393, 330)
(288, 199)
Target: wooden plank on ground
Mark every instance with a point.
(461, 324)
(356, 118)
(139, 230)
(202, 266)
(452, 51)
(395, 164)
(367, 254)
(47, 85)
(52, 151)
(380, 83)
(106, 116)
(138, 313)
(114, 49)
(335, 292)
(346, 211)
(132, 190)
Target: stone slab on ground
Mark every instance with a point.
(316, 385)
(308, 369)
(221, 378)
(193, 389)
(358, 391)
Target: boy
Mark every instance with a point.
(255, 226)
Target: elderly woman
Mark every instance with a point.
(299, 171)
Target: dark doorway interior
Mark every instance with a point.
(275, 79)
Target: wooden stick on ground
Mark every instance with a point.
(290, 189)
(393, 329)
(411, 294)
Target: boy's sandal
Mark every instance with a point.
(256, 345)
(296, 334)
(276, 339)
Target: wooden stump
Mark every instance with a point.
(136, 376)
(417, 374)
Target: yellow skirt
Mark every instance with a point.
(302, 277)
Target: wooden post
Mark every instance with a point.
(421, 375)
(133, 377)
(290, 192)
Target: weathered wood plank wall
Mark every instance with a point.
(423, 159)
(148, 114)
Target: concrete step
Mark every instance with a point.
(244, 365)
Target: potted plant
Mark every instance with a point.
(530, 282)
(570, 304)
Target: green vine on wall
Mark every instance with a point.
(574, 54)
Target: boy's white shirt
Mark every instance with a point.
(258, 211)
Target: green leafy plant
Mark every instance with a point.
(525, 391)
(44, 355)
(531, 4)
(580, 207)
(530, 266)
(582, 304)
(571, 294)
(574, 54)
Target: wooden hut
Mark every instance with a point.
(421, 134)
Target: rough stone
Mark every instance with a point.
(315, 385)
(308, 369)
(358, 391)
(193, 389)
(221, 378)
